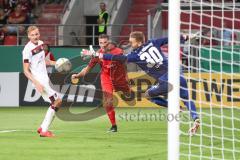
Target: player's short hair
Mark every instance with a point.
(139, 36)
(103, 36)
(31, 28)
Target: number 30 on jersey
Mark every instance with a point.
(152, 56)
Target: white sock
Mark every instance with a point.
(48, 119)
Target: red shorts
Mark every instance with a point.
(117, 85)
(106, 84)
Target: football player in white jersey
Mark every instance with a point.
(34, 66)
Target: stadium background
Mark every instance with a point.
(70, 26)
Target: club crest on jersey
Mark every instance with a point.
(37, 50)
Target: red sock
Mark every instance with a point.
(111, 114)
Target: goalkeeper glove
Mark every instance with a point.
(94, 53)
(89, 53)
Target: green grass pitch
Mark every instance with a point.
(142, 136)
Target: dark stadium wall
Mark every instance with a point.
(11, 57)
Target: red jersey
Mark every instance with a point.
(113, 73)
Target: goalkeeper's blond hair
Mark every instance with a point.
(139, 36)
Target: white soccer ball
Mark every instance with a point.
(63, 65)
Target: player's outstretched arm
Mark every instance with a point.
(29, 75)
(163, 41)
(107, 56)
(121, 58)
(87, 69)
(89, 53)
(82, 73)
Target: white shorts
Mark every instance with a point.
(49, 94)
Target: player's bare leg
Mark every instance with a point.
(49, 117)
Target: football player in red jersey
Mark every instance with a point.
(113, 76)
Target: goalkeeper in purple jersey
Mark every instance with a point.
(149, 57)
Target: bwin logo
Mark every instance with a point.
(75, 93)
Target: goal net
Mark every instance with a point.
(211, 64)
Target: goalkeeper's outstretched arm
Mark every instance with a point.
(163, 41)
(122, 58)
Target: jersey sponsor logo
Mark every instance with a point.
(37, 50)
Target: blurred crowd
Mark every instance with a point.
(15, 12)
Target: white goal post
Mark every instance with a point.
(173, 76)
(211, 66)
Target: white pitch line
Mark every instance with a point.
(7, 131)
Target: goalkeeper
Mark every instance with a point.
(149, 57)
(113, 76)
